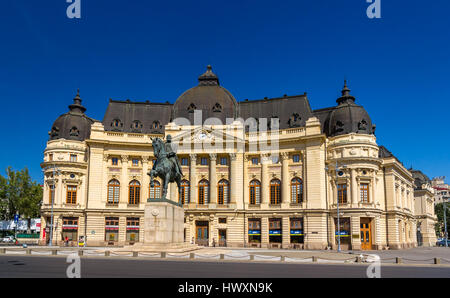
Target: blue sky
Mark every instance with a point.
(397, 66)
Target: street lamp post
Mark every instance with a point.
(337, 205)
(445, 221)
(57, 172)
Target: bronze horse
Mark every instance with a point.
(163, 168)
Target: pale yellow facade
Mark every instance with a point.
(380, 209)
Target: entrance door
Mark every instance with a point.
(366, 235)
(202, 234)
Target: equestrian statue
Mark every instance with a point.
(167, 166)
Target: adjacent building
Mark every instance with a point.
(247, 182)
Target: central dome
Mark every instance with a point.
(213, 100)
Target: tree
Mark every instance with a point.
(439, 211)
(19, 194)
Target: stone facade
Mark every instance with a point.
(237, 194)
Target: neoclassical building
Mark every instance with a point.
(257, 173)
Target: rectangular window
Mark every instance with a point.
(71, 194)
(111, 229)
(223, 161)
(184, 161)
(275, 159)
(296, 158)
(135, 162)
(51, 194)
(364, 190)
(114, 161)
(222, 220)
(204, 161)
(50, 157)
(255, 161)
(342, 193)
(73, 157)
(132, 229)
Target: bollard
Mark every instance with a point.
(135, 254)
(398, 260)
(314, 259)
(107, 253)
(2, 250)
(192, 255)
(222, 256)
(54, 252)
(437, 261)
(282, 258)
(80, 252)
(358, 259)
(252, 257)
(163, 254)
(28, 251)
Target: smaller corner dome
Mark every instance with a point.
(208, 96)
(74, 125)
(419, 178)
(348, 117)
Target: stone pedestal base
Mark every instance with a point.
(163, 228)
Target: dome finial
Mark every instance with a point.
(346, 97)
(77, 106)
(208, 78)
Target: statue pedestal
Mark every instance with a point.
(163, 228)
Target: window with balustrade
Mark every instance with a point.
(134, 192)
(296, 190)
(71, 194)
(364, 192)
(342, 193)
(155, 191)
(184, 192)
(223, 192)
(275, 192)
(255, 192)
(113, 192)
(203, 192)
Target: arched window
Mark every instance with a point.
(184, 192)
(275, 191)
(223, 192)
(134, 193)
(156, 125)
(296, 190)
(155, 191)
(113, 192)
(203, 192)
(255, 192)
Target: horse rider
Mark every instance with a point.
(171, 154)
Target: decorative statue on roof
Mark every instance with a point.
(167, 166)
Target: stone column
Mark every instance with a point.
(213, 178)
(145, 180)
(234, 178)
(104, 189)
(286, 232)
(354, 188)
(193, 178)
(246, 182)
(124, 180)
(285, 181)
(264, 232)
(265, 191)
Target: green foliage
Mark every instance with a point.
(439, 211)
(19, 194)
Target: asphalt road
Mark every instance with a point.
(55, 267)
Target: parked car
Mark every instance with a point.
(8, 239)
(441, 242)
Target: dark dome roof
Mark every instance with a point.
(74, 125)
(348, 117)
(208, 96)
(419, 178)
